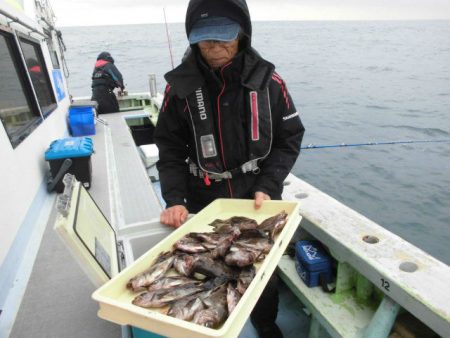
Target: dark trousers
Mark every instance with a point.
(106, 99)
(266, 309)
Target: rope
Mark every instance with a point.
(342, 145)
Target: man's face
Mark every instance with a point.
(218, 53)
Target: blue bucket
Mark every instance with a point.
(81, 121)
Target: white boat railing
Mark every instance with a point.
(404, 273)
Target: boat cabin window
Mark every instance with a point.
(51, 50)
(38, 75)
(18, 112)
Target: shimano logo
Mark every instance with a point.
(204, 15)
(285, 118)
(201, 104)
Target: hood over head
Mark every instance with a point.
(105, 56)
(236, 10)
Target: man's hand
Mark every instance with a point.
(259, 198)
(174, 216)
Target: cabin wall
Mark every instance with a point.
(22, 172)
(23, 168)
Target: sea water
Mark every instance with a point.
(352, 82)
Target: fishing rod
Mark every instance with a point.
(342, 145)
(168, 39)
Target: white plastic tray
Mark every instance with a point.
(115, 299)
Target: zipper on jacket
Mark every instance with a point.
(230, 190)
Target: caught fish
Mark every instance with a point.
(216, 309)
(190, 245)
(186, 308)
(240, 222)
(245, 278)
(171, 282)
(217, 243)
(233, 297)
(241, 257)
(258, 244)
(157, 269)
(207, 266)
(274, 224)
(183, 264)
(162, 297)
(225, 243)
(208, 237)
(252, 233)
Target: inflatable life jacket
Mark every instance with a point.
(101, 76)
(259, 138)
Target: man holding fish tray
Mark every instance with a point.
(228, 127)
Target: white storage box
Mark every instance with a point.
(150, 155)
(99, 249)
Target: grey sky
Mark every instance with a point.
(103, 12)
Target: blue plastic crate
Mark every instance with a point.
(312, 261)
(81, 121)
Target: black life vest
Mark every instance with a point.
(259, 134)
(101, 77)
(99, 73)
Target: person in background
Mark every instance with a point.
(227, 128)
(105, 78)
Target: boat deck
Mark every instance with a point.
(57, 301)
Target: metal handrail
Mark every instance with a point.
(15, 19)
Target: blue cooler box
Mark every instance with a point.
(79, 150)
(82, 120)
(311, 261)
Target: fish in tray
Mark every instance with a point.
(228, 225)
(241, 256)
(170, 282)
(233, 297)
(216, 309)
(204, 264)
(274, 224)
(183, 264)
(187, 307)
(162, 297)
(210, 267)
(162, 264)
(215, 269)
(245, 252)
(245, 278)
(189, 244)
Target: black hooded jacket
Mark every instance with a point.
(106, 73)
(229, 89)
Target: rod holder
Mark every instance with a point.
(152, 85)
